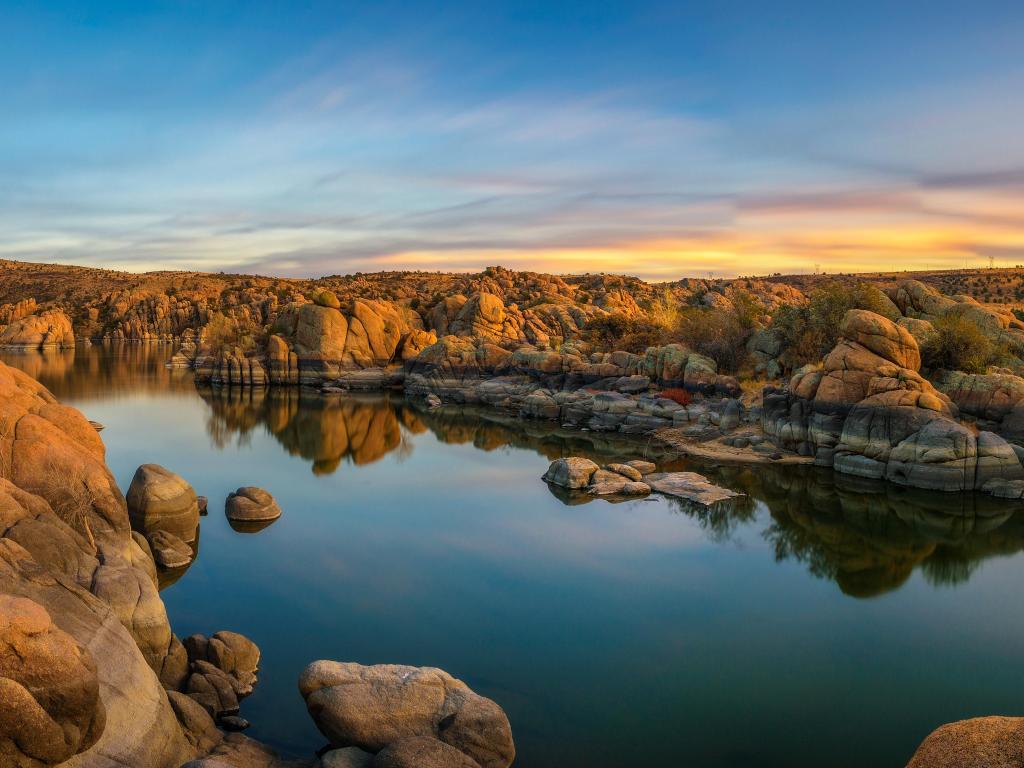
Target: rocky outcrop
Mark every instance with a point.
(868, 412)
(66, 545)
(377, 706)
(581, 477)
(45, 330)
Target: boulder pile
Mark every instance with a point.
(868, 412)
(633, 478)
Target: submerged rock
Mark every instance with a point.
(372, 707)
(689, 486)
(250, 504)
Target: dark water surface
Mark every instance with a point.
(827, 623)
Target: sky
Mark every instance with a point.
(657, 139)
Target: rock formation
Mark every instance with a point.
(46, 329)
(868, 412)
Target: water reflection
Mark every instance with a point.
(869, 536)
(364, 428)
(103, 370)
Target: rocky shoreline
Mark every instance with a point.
(92, 675)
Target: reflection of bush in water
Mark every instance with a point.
(721, 519)
(868, 537)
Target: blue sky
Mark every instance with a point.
(659, 139)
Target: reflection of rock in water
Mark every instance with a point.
(869, 536)
(82, 372)
(324, 430)
(250, 526)
(364, 428)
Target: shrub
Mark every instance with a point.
(224, 333)
(618, 331)
(958, 344)
(677, 395)
(811, 330)
(715, 333)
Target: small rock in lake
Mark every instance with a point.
(250, 504)
(432, 401)
(377, 707)
(632, 473)
(641, 466)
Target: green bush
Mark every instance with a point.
(618, 331)
(960, 345)
(811, 330)
(716, 333)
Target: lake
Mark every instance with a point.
(826, 621)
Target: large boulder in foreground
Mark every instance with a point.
(372, 707)
(50, 708)
(982, 742)
(47, 329)
(141, 729)
(160, 500)
(66, 545)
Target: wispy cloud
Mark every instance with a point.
(328, 164)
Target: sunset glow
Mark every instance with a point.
(665, 142)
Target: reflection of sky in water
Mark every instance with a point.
(613, 635)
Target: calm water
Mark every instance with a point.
(823, 624)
